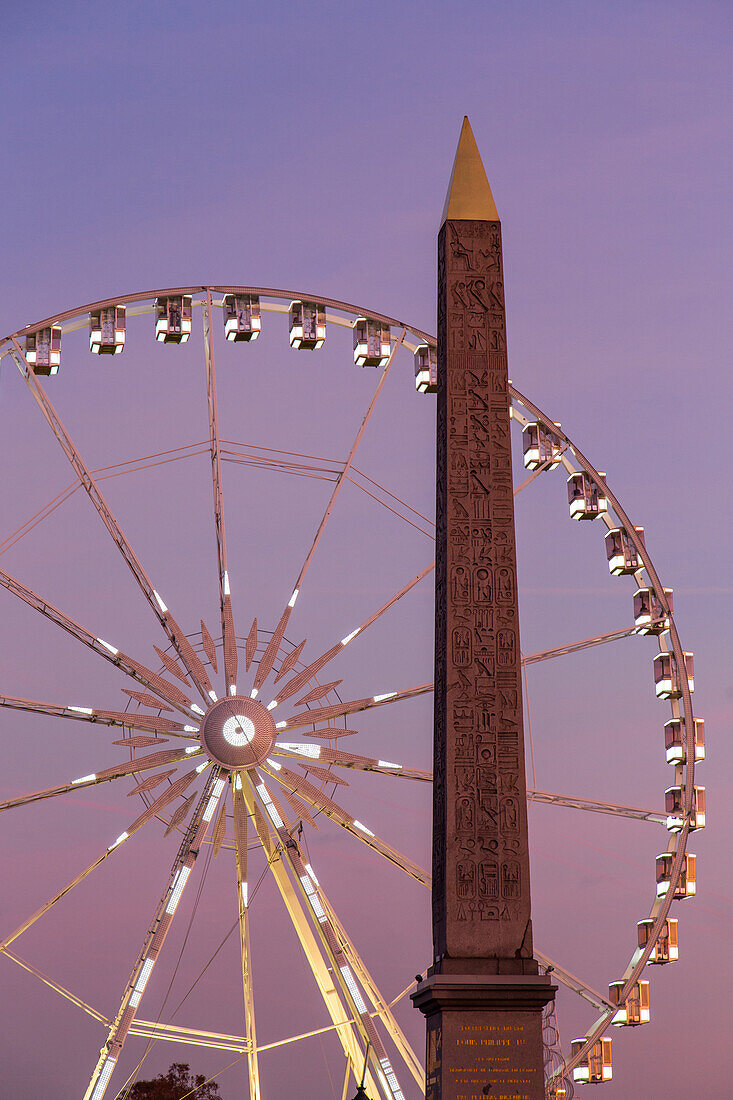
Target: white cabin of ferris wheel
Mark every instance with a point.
(650, 616)
(307, 322)
(542, 448)
(107, 330)
(43, 350)
(669, 677)
(666, 948)
(633, 1009)
(622, 555)
(426, 369)
(242, 322)
(173, 319)
(585, 498)
(597, 1066)
(675, 740)
(371, 342)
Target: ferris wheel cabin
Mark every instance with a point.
(371, 343)
(307, 325)
(542, 448)
(674, 804)
(675, 742)
(585, 497)
(633, 1009)
(596, 1067)
(668, 678)
(686, 886)
(173, 319)
(666, 949)
(650, 616)
(426, 369)
(107, 330)
(241, 317)
(622, 555)
(43, 350)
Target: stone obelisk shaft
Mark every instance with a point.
(483, 997)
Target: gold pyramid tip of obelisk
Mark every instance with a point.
(469, 196)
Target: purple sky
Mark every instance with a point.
(309, 146)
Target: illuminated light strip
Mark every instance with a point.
(349, 637)
(272, 705)
(192, 748)
(358, 825)
(120, 838)
(314, 751)
(232, 689)
(387, 764)
(392, 1078)
(356, 995)
(313, 898)
(178, 886)
(190, 729)
(280, 725)
(215, 796)
(274, 764)
(254, 693)
(213, 696)
(381, 698)
(104, 1077)
(197, 708)
(84, 779)
(293, 598)
(312, 873)
(109, 647)
(160, 603)
(141, 982)
(274, 816)
(201, 767)
(245, 895)
(238, 783)
(227, 591)
(81, 710)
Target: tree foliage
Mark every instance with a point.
(174, 1085)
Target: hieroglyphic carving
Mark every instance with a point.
(480, 863)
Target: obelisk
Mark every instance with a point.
(483, 996)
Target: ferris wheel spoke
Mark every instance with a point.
(150, 723)
(595, 806)
(301, 679)
(333, 1000)
(340, 710)
(575, 647)
(575, 984)
(342, 759)
(157, 931)
(168, 623)
(148, 814)
(309, 889)
(268, 658)
(303, 788)
(382, 1008)
(168, 692)
(240, 851)
(119, 771)
(225, 603)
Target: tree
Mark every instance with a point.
(174, 1085)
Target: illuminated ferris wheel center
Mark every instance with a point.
(238, 732)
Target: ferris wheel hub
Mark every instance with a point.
(238, 732)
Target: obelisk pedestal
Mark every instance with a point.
(483, 996)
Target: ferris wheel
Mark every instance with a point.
(236, 738)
